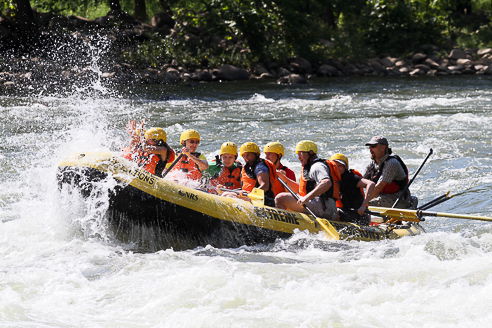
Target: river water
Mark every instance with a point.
(60, 267)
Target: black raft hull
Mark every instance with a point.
(161, 214)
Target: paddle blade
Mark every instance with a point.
(257, 196)
(397, 213)
(328, 229)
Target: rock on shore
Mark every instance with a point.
(61, 66)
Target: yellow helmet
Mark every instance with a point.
(249, 147)
(306, 145)
(189, 134)
(156, 133)
(340, 157)
(228, 148)
(274, 147)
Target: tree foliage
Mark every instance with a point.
(313, 29)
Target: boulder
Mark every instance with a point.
(404, 69)
(431, 63)
(164, 77)
(352, 70)
(422, 67)
(418, 58)
(395, 71)
(333, 70)
(388, 61)
(337, 64)
(463, 62)
(231, 73)
(483, 52)
(270, 65)
(457, 54)
(378, 67)
(323, 70)
(283, 72)
(292, 79)
(160, 19)
(173, 71)
(443, 68)
(488, 70)
(267, 76)
(456, 68)
(201, 76)
(416, 72)
(400, 63)
(300, 65)
(259, 69)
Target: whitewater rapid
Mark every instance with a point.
(61, 267)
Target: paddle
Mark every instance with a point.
(330, 231)
(409, 183)
(416, 215)
(172, 165)
(257, 195)
(436, 201)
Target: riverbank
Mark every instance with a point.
(74, 51)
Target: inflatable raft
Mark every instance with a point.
(184, 218)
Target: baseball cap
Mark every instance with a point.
(378, 140)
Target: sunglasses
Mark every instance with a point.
(194, 142)
(373, 146)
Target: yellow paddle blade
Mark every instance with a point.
(328, 229)
(396, 213)
(257, 197)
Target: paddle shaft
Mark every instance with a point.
(296, 197)
(457, 216)
(329, 229)
(172, 165)
(411, 181)
(399, 212)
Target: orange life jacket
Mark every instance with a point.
(189, 167)
(339, 201)
(249, 179)
(151, 163)
(229, 179)
(306, 186)
(395, 185)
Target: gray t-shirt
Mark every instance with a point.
(318, 172)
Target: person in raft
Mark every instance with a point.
(192, 163)
(274, 151)
(389, 173)
(318, 187)
(150, 152)
(224, 171)
(353, 200)
(257, 173)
